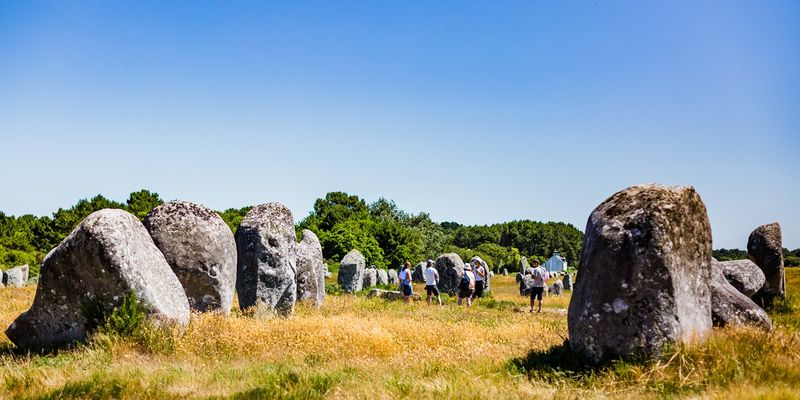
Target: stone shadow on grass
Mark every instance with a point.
(556, 362)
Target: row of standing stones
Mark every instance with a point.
(354, 276)
(182, 257)
(647, 276)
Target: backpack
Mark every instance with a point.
(465, 281)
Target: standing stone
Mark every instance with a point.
(450, 267)
(17, 276)
(744, 275)
(383, 277)
(370, 278)
(525, 284)
(200, 249)
(556, 289)
(731, 307)
(566, 282)
(523, 265)
(393, 278)
(765, 247)
(418, 275)
(108, 256)
(266, 268)
(326, 271)
(351, 272)
(310, 277)
(645, 272)
(505, 272)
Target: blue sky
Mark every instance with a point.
(477, 112)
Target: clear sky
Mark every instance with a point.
(474, 111)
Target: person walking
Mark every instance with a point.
(480, 278)
(431, 282)
(540, 277)
(405, 282)
(466, 286)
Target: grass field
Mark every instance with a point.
(355, 347)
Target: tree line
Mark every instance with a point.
(791, 258)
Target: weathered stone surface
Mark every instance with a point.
(418, 274)
(106, 257)
(566, 282)
(518, 277)
(525, 284)
(556, 289)
(16, 277)
(370, 278)
(393, 277)
(523, 265)
(351, 272)
(310, 273)
(383, 277)
(731, 307)
(450, 267)
(326, 271)
(744, 275)
(391, 295)
(645, 272)
(267, 265)
(505, 272)
(200, 249)
(765, 247)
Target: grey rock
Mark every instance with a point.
(505, 272)
(566, 282)
(200, 249)
(351, 272)
(744, 275)
(370, 278)
(16, 277)
(556, 289)
(729, 307)
(645, 272)
(310, 276)
(267, 267)
(418, 275)
(326, 271)
(450, 268)
(393, 277)
(523, 265)
(383, 277)
(391, 295)
(106, 257)
(765, 247)
(525, 284)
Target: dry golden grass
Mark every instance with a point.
(356, 347)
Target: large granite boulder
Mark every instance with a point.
(730, 307)
(310, 274)
(525, 284)
(645, 272)
(556, 289)
(394, 279)
(744, 275)
(418, 275)
(765, 247)
(383, 277)
(267, 266)
(16, 277)
(200, 249)
(370, 278)
(450, 268)
(351, 272)
(107, 257)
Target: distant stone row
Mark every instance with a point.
(647, 277)
(183, 257)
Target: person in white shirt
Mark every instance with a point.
(540, 277)
(405, 282)
(466, 285)
(480, 278)
(431, 280)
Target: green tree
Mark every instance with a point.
(140, 203)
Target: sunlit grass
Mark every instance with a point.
(358, 347)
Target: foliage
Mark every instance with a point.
(234, 216)
(729, 254)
